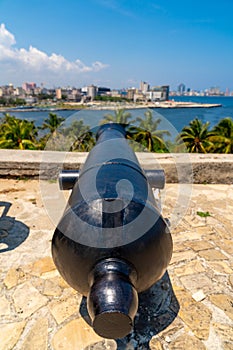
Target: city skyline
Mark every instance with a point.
(30, 92)
(181, 89)
(117, 43)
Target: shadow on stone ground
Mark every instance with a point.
(12, 232)
(158, 307)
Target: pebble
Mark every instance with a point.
(199, 296)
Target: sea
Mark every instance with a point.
(172, 119)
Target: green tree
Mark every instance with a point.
(196, 137)
(222, 136)
(3, 101)
(79, 136)
(17, 133)
(43, 96)
(120, 116)
(123, 118)
(51, 140)
(111, 99)
(148, 134)
(52, 123)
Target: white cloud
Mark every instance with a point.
(6, 38)
(34, 61)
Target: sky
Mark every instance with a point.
(117, 44)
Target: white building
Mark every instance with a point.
(158, 93)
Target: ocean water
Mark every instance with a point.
(173, 119)
(183, 116)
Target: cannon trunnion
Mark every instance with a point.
(112, 241)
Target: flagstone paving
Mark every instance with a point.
(38, 310)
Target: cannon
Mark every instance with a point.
(112, 241)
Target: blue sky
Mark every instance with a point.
(117, 43)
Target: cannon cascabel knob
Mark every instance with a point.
(112, 301)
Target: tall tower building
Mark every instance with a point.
(144, 87)
(181, 89)
(58, 94)
(92, 91)
(227, 92)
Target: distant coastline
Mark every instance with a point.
(110, 106)
(31, 109)
(165, 104)
(176, 116)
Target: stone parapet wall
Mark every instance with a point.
(183, 168)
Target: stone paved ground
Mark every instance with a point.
(39, 311)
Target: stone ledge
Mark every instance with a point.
(183, 168)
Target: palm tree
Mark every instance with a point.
(196, 137)
(223, 136)
(17, 133)
(79, 136)
(120, 116)
(148, 134)
(52, 123)
(123, 118)
(53, 139)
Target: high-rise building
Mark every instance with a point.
(58, 93)
(28, 86)
(214, 90)
(144, 87)
(130, 93)
(181, 89)
(92, 91)
(158, 93)
(103, 90)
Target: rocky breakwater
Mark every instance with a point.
(158, 104)
(177, 104)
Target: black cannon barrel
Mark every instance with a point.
(112, 241)
(67, 178)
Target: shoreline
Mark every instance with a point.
(112, 106)
(151, 105)
(165, 105)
